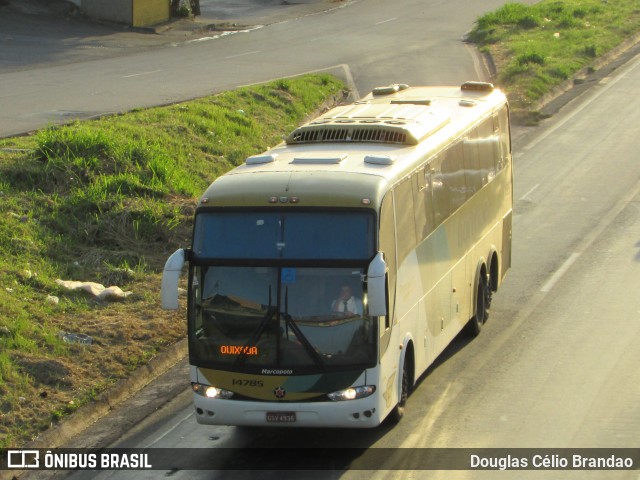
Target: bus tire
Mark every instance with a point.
(398, 411)
(488, 297)
(494, 274)
(481, 307)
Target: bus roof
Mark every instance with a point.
(350, 155)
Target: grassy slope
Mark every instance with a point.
(536, 48)
(107, 201)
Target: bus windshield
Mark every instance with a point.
(265, 318)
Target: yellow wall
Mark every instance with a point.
(150, 12)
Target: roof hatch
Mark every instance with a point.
(477, 87)
(319, 159)
(260, 159)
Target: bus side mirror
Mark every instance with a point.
(376, 286)
(170, 278)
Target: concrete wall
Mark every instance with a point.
(118, 11)
(137, 13)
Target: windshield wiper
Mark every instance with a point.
(289, 323)
(315, 356)
(264, 323)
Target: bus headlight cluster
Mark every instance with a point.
(352, 393)
(210, 391)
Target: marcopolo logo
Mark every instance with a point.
(23, 459)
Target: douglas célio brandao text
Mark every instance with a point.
(551, 462)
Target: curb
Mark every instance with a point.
(571, 88)
(606, 62)
(157, 383)
(188, 26)
(124, 389)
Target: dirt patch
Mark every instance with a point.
(124, 336)
(47, 372)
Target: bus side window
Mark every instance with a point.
(474, 178)
(422, 203)
(388, 247)
(405, 221)
(502, 130)
(453, 169)
(439, 193)
(488, 149)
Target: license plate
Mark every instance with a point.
(281, 417)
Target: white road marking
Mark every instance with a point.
(180, 422)
(560, 272)
(141, 74)
(589, 239)
(223, 34)
(526, 195)
(386, 21)
(242, 54)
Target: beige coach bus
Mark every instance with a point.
(326, 274)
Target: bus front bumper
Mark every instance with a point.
(360, 413)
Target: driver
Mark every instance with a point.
(346, 303)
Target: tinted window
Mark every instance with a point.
(317, 321)
(284, 235)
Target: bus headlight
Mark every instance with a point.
(352, 393)
(210, 391)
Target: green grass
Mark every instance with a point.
(538, 47)
(107, 201)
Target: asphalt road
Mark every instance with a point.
(79, 74)
(556, 366)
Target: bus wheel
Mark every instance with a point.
(488, 296)
(398, 412)
(482, 297)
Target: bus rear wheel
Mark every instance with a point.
(482, 306)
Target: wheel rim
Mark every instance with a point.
(404, 392)
(481, 306)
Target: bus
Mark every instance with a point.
(326, 274)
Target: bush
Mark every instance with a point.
(528, 21)
(591, 51)
(531, 57)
